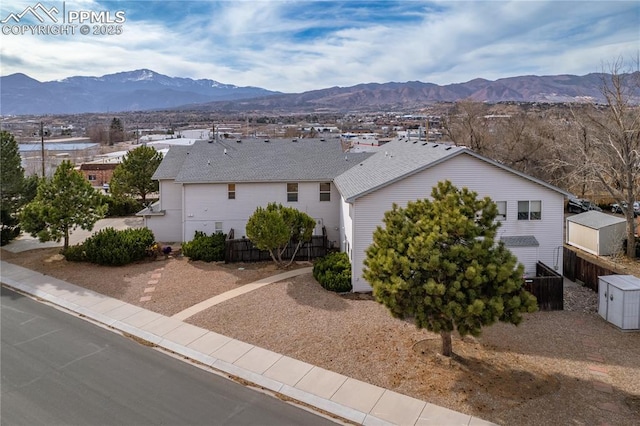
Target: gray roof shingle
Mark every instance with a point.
(401, 158)
(520, 241)
(254, 160)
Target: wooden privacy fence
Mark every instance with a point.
(547, 287)
(243, 250)
(578, 268)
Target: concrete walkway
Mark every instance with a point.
(334, 393)
(246, 288)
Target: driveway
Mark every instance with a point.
(26, 242)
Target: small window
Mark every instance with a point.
(530, 210)
(292, 192)
(92, 177)
(325, 191)
(502, 210)
(535, 210)
(231, 190)
(217, 227)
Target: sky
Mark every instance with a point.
(296, 46)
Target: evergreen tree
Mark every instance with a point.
(274, 227)
(13, 187)
(133, 176)
(63, 203)
(437, 263)
(116, 131)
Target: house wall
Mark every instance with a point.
(528, 256)
(206, 204)
(168, 227)
(101, 176)
(346, 230)
(477, 175)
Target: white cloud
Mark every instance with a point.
(293, 46)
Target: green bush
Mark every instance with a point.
(333, 272)
(121, 206)
(206, 248)
(75, 253)
(111, 247)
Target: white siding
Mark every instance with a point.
(168, 228)
(346, 231)
(206, 204)
(479, 176)
(528, 256)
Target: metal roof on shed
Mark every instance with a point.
(595, 220)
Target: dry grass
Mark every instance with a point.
(538, 373)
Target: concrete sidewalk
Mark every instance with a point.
(334, 393)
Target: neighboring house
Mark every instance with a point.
(597, 233)
(98, 174)
(531, 211)
(216, 186)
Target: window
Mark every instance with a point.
(231, 190)
(530, 210)
(502, 210)
(292, 192)
(325, 191)
(92, 177)
(217, 227)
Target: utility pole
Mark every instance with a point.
(42, 146)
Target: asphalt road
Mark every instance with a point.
(58, 369)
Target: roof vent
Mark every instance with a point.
(266, 140)
(447, 148)
(322, 140)
(294, 140)
(426, 143)
(239, 141)
(435, 145)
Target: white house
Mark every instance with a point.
(531, 211)
(217, 186)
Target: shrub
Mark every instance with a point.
(121, 206)
(333, 272)
(206, 248)
(111, 247)
(75, 253)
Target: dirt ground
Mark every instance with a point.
(562, 367)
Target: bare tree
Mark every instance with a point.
(467, 125)
(614, 132)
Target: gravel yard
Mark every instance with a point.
(563, 367)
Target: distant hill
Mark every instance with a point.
(125, 91)
(412, 94)
(147, 90)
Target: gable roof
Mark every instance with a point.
(596, 220)
(401, 158)
(254, 160)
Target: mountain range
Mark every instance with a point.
(144, 89)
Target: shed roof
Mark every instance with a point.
(595, 219)
(255, 160)
(401, 158)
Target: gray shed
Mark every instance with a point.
(596, 232)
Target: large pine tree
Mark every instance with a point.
(437, 263)
(63, 203)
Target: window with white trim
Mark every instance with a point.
(325, 191)
(92, 177)
(217, 227)
(530, 210)
(292, 192)
(502, 210)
